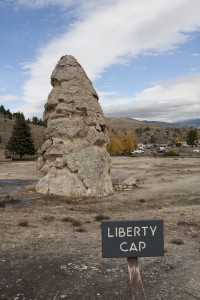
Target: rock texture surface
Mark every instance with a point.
(127, 185)
(73, 158)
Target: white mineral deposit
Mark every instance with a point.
(73, 158)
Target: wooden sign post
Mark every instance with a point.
(133, 239)
(135, 279)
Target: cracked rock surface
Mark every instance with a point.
(73, 159)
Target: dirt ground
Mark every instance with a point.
(51, 246)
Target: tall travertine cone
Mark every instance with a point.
(73, 158)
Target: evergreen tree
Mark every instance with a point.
(2, 110)
(5, 112)
(9, 114)
(21, 142)
(192, 137)
(37, 121)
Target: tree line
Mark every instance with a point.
(21, 141)
(34, 120)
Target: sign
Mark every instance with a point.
(132, 238)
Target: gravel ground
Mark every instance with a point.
(51, 246)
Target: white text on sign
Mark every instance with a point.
(131, 231)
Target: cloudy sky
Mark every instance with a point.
(142, 56)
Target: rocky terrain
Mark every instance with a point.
(51, 245)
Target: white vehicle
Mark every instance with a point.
(141, 148)
(196, 150)
(162, 150)
(138, 151)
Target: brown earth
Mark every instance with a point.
(51, 246)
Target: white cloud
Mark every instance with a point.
(113, 32)
(194, 70)
(177, 99)
(195, 54)
(6, 98)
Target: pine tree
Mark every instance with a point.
(192, 137)
(2, 110)
(21, 142)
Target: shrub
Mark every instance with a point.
(23, 224)
(2, 204)
(177, 242)
(171, 153)
(74, 222)
(81, 229)
(101, 217)
(66, 219)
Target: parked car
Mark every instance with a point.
(196, 150)
(138, 151)
(162, 150)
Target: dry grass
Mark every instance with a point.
(73, 221)
(177, 242)
(101, 217)
(23, 224)
(49, 218)
(81, 229)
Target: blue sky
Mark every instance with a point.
(142, 56)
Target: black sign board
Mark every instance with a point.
(132, 238)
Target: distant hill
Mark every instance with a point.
(150, 132)
(158, 123)
(145, 132)
(190, 122)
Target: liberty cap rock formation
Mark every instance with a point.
(73, 158)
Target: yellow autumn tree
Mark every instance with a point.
(114, 145)
(121, 142)
(129, 141)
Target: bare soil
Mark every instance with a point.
(51, 246)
